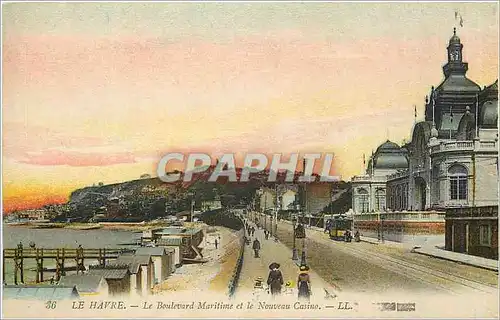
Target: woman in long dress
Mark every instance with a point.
(275, 279)
(304, 284)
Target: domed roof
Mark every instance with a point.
(389, 156)
(388, 145)
(454, 39)
(488, 117)
(458, 83)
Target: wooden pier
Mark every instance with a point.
(60, 255)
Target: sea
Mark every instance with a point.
(59, 238)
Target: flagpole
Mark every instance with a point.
(433, 111)
(477, 115)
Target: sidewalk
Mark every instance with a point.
(431, 251)
(468, 259)
(271, 251)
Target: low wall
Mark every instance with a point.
(233, 283)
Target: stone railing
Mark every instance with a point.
(369, 178)
(453, 145)
(401, 216)
(465, 145)
(397, 175)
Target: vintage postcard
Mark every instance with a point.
(250, 160)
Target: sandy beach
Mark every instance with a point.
(213, 275)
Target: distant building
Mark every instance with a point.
(32, 214)
(267, 199)
(87, 285)
(40, 292)
(208, 205)
(288, 199)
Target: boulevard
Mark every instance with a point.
(362, 267)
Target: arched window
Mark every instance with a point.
(379, 200)
(458, 182)
(363, 200)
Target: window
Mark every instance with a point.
(458, 182)
(380, 199)
(485, 235)
(363, 200)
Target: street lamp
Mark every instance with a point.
(294, 250)
(303, 261)
(382, 228)
(280, 203)
(192, 195)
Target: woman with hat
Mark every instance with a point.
(275, 278)
(304, 284)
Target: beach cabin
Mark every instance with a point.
(142, 272)
(40, 292)
(191, 239)
(87, 285)
(174, 246)
(162, 261)
(117, 277)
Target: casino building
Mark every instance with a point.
(451, 161)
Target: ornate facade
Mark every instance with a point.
(452, 159)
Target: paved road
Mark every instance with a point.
(274, 251)
(364, 267)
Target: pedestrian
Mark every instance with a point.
(256, 247)
(216, 242)
(266, 234)
(275, 279)
(304, 284)
(357, 237)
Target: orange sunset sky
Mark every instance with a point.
(100, 91)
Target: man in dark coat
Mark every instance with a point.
(275, 279)
(256, 247)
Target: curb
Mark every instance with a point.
(456, 261)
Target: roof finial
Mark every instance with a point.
(454, 31)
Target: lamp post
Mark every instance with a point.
(295, 256)
(257, 214)
(382, 228)
(192, 195)
(280, 203)
(303, 261)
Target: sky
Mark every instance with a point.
(99, 92)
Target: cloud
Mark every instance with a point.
(76, 159)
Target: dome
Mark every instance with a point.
(390, 156)
(388, 145)
(458, 83)
(454, 39)
(488, 117)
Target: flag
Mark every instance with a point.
(461, 21)
(456, 15)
